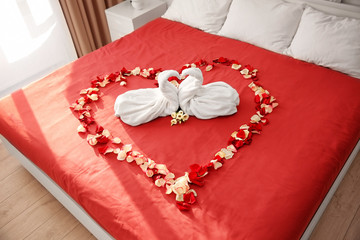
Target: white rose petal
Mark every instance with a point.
(81, 129)
(121, 155)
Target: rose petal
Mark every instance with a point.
(255, 118)
(116, 140)
(135, 71)
(168, 189)
(144, 166)
(127, 148)
(149, 173)
(105, 150)
(170, 176)
(217, 164)
(228, 154)
(209, 67)
(189, 197)
(81, 129)
(92, 141)
(231, 148)
(129, 159)
(183, 206)
(139, 160)
(121, 155)
(160, 182)
(162, 169)
(106, 133)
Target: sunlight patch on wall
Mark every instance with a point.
(21, 28)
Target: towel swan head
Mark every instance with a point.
(193, 73)
(163, 78)
(168, 89)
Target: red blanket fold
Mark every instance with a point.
(269, 190)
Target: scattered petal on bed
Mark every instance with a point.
(139, 160)
(228, 154)
(169, 189)
(183, 206)
(190, 197)
(265, 121)
(93, 97)
(217, 164)
(162, 169)
(144, 166)
(245, 71)
(152, 163)
(136, 71)
(116, 140)
(81, 129)
(102, 139)
(255, 118)
(170, 176)
(92, 141)
(105, 150)
(106, 133)
(231, 148)
(160, 182)
(127, 148)
(129, 159)
(235, 66)
(121, 155)
(209, 67)
(150, 173)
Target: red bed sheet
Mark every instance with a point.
(269, 190)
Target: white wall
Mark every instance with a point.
(34, 41)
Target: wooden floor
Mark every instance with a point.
(29, 211)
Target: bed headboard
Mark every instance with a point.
(338, 9)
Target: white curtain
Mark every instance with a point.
(34, 41)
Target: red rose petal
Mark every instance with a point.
(183, 206)
(99, 129)
(189, 198)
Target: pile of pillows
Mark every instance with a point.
(297, 30)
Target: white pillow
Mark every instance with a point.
(329, 41)
(207, 15)
(264, 23)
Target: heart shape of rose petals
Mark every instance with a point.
(162, 176)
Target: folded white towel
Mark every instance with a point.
(143, 105)
(202, 101)
(206, 101)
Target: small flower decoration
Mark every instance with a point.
(179, 117)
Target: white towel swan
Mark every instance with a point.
(202, 101)
(143, 105)
(206, 101)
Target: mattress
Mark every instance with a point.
(269, 189)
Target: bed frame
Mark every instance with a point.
(329, 7)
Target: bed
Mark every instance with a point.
(261, 173)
